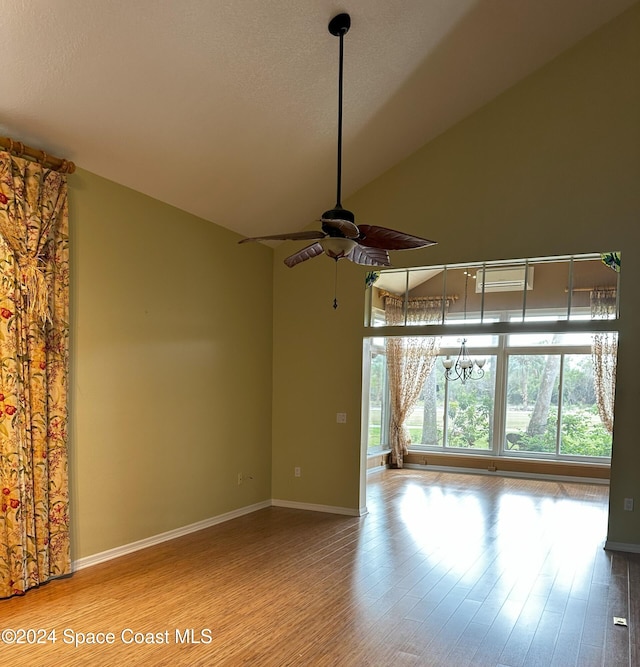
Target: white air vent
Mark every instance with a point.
(503, 279)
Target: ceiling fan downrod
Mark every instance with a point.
(339, 27)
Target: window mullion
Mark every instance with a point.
(560, 401)
(500, 404)
(445, 416)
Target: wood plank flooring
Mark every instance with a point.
(445, 570)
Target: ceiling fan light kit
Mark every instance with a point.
(337, 247)
(340, 237)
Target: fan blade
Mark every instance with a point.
(346, 228)
(293, 236)
(369, 256)
(303, 255)
(390, 239)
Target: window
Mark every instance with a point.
(377, 404)
(541, 392)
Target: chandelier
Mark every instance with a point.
(465, 368)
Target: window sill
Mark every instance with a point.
(380, 452)
(510, 464)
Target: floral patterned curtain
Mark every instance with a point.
(604, 352)
(410, 359)
(34, 360)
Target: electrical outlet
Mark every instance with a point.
(297, 471)
(341, 417)
(239, 478)
(628, 504)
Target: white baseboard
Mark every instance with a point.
(125, 549)
(622, 546)
(329, 509)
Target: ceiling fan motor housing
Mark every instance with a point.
(336, 214)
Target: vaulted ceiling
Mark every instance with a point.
(228, 108)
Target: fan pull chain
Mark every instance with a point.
(335, 286)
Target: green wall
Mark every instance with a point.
(552, 166)
(170, 367)
(317, 360)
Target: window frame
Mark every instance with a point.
(503, 325)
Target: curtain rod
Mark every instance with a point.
(21, 150)
(384, 292)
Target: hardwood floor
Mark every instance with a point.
(445, 570)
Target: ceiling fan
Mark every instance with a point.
(340, 237)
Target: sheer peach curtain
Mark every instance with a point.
(604, 352)
(34, 359)
(410, 359)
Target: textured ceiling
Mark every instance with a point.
(228, 108)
